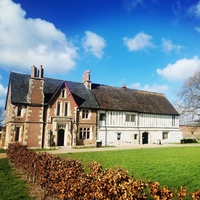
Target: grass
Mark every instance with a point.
(11, 186)
(172, 167)
(2, 151)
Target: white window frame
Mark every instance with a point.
(66, 109)
(85, 114)
(84, 133)
(165, 135)
(58, 108)
(119, 136)
(130, 117)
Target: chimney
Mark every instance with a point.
(124, 86)
(37, 73)
(86, 79)
(36, 86)
(33, 71)
(40, 72)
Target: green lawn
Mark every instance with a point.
(2, 151)
(172, 167)
(11, 186)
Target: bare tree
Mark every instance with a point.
(1, 116)
(189, 98)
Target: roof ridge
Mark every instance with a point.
(138, 90)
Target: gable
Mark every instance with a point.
(82, 96)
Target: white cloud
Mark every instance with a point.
(195, 9)
(25, 42)
(132, 4)
(197, 28)
(153, 88)
(3, 93)
(168, 46)
(181, 69)
(94, 43)
(139, 42)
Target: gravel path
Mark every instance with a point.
(3, 155)
(72, 150)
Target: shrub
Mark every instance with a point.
(65, 179)
(190, 140)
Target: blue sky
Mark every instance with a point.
(150, 45)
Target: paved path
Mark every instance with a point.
(2, 155)
(72, 150)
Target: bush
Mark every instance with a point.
(189, 140)
(65, 179)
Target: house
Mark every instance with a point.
(191, 131)
(45, 112)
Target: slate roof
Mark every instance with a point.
(20, 85)
(101, 96)
(124, 99)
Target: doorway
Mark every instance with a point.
(61, 134)
(145, 137)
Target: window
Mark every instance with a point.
(58, 108)
(19, 111)
(102, 116)
(63, 93)
(118, 136)
(130, 118)
(173, 120)
(165, 135)
(17, 131)
(66, 109)
(135, 136)
(84, 133)
(85, 114)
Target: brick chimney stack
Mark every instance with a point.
(37, 73)
(36, 86)
(35, 108)
(86, 79)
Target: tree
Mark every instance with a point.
(189, 96)
(1, 116)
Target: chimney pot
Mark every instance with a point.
(40, 72)
(124, 86)
(33, 71)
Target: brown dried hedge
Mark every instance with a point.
(65, 179)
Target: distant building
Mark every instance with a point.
(191, 131)
(44, 112)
